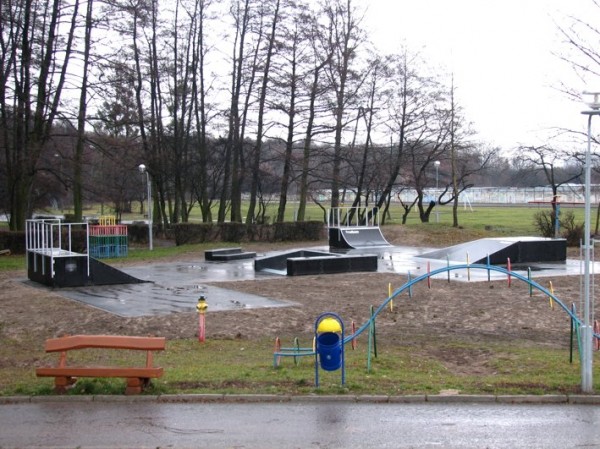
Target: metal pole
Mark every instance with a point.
(150, 244)
(437, 179)
(586, 329)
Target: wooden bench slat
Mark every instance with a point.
(137, 377)
(105, 341)
(99, 371)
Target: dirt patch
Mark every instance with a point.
(471, 312)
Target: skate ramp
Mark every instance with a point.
(103, 274)
(357, 237)
(277, 263)
(70, 269)
(518, 249)
(303, 262)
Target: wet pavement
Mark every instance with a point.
(323, 424)
(175, 287)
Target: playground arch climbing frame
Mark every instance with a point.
(407, 286)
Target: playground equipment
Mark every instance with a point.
(348, 228)
(107, 239)
(331, 343)
(52, 259)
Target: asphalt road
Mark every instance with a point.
(297, 424)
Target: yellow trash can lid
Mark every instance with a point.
(329, 325)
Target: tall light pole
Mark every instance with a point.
(143, 170)
(592, 99)
(437, 186)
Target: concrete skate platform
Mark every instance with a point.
(172, 288)
(176, 287)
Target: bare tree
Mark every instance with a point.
(233, 174)
(320, 57)
(345, 37)
(270, 48)
(82, 116)
(287, 82)
(464, 162)
(407, 105)
(186, 102)
(37, 45)
(550, 163)
(200, 90)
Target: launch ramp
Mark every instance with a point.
(498, 250)
(53, 261)
(352, 227)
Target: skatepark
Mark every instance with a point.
(163, 288)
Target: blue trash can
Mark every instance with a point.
(329, 347)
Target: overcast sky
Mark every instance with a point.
(501, 55)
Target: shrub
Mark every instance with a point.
(13, 240)
(241, 232)
(544, 222)
(298, 231)
(194, 233)
(571, 231)
(137, 232)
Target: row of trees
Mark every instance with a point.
(223, 102)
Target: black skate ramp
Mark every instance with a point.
(71, 270)
(303, 262)
(277, 263)
(103, 274)
(518, 249)
(357, 237)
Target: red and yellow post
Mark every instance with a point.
(201, 308)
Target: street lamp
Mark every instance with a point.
(143, 170)
(437, 186)
(592, 100)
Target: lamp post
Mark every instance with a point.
(143, 170)
(592, 99)
(437, 186)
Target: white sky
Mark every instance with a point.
(501, 55)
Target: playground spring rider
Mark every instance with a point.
(329, 338)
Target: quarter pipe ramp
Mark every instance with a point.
(357, 237)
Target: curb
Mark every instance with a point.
(274, 398)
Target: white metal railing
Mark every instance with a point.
(340, 217)
(45, 236)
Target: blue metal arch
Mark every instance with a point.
(446, 269)
(449, 268)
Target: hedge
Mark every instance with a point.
(240, 232)
(186, 233)
(13, 241)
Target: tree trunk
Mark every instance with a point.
(261, 111)
(81, 118)
(289, 144)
